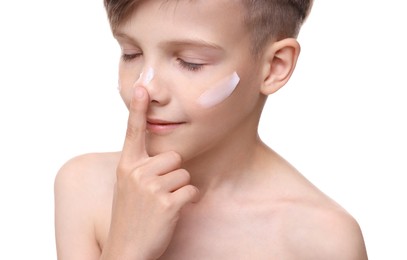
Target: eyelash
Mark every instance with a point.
(190, 66)
(194, 67)
(130, 57)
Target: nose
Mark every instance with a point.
(146, 76)
(157, 92)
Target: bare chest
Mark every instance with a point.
(226, 235)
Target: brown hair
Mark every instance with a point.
(266, 19)
(270, 20)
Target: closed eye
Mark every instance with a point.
(130, 57)
(190, 66)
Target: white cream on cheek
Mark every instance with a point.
(219, 92)
(119, 85)
(211, 97)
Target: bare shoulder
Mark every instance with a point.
(329, 234)
(321, 229)
(87, 167)
(83, 187)
(312, 225)
(87, 174)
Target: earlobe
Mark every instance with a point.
(279, 63)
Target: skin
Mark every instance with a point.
(204, 186)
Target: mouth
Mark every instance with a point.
(162, 126)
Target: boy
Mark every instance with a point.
(194, 180)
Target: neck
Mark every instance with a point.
(225, 166)
(233, 162)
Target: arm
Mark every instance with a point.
(148, 195)
(75, 237)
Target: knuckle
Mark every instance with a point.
(146, 181)
(184, 175)
(191, 191)
(176, 157)
(138, 176)
(153, 186)
(167, 204)
(122, 171)
(125, 168)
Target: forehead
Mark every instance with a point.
(195, 12)
(212, 20)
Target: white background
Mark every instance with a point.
(341, 120)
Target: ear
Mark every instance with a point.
(279, 61)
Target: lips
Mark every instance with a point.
(162, 126)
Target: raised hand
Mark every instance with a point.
(149, 193)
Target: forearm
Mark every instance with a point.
(120, 253)
(117, 248)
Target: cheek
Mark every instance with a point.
(126, 79)
(128, 76)
(219, 92)
(126, 97)
(125, 86)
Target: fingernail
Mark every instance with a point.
(138, 92)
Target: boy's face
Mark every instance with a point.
(183, 50)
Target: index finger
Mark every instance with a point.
(134, 147)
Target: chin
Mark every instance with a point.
(186, 154)
(155, 147)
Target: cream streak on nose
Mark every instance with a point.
(146, 77)
(149, 76)
(219, 92)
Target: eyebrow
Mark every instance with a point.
(187, 42)
(117, 35)
(194, 43)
